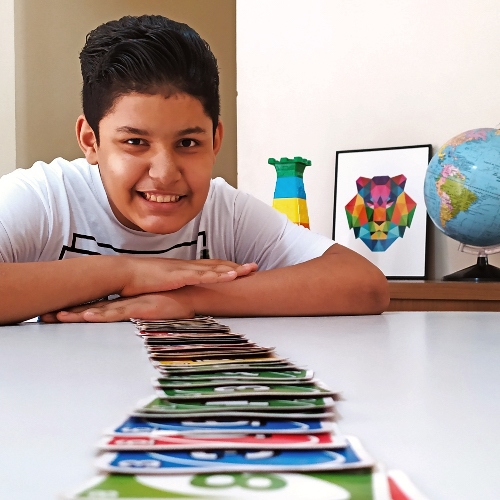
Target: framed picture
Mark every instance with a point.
(379, 209)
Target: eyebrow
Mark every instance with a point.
(191, 130)
(139, 131)
(132, 130)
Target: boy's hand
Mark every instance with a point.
(154, 275)
(159, 275)
(168, 305)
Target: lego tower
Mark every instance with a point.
(289, 194)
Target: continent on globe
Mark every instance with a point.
(381, 211)
(455, 197)
(479, 134)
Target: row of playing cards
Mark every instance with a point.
(230, 419)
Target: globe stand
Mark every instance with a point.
(481, 271)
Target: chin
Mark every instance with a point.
(161, 227)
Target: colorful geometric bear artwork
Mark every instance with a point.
(381, 211)
(289, 194)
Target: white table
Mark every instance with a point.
(421, 392)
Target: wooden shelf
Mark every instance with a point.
(422, 295)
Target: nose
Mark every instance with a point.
(163, 168)
(379, 215)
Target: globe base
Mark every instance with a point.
(480, 272)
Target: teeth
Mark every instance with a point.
(167, 198)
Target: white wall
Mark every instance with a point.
(318, 76)
(7, 88)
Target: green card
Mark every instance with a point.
(238, 486)
(243, 390)
(235, 376)
(158, 405)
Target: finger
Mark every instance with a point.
(201, 276)
(120, 310)
(93, 315)
(70, 316)
(75, 314)
(240, 269)
(105, 312)
(201, 265)
(50, 317)
(215, 262)
(207, 276)
(245, 269)
(219, 265)
(212, 263)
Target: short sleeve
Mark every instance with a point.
(24, 219)
(269, 238)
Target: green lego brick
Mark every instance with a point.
(290, 167)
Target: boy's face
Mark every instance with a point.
(155, 157)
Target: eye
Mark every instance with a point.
(135, 142)
(188, 143)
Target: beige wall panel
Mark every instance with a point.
(7, 87)
(49, 37)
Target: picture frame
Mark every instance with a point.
(379, 208)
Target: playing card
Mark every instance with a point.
(189, 338)
(235, 377)
(215, 353)
(402, 488)
(185, 348)
(187, 335)
(197, 369)
(206, 362)
(199, 323)
(362, 485)
(157, 405)
(136, 426)
(205, 441)
(166, 383)
(245, 390)
(322, 414)
(352, 456)
(162, 341)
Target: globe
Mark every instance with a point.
(462, 188)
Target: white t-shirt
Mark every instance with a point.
(60, 210)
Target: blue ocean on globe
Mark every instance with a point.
(462, 188)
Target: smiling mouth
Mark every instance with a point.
(161, 198)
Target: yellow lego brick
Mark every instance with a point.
(294, 208)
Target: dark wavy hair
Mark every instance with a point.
(148, 55)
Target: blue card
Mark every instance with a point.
(353, 456)
(137, 426)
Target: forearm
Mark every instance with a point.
(34, 288)
(337, 283)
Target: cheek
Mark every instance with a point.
(202, 191)
(198, 179)
(124, 175)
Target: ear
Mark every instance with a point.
(86, 140)
(219, 133)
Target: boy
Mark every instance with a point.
(142, 209)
